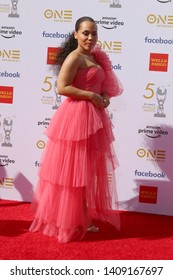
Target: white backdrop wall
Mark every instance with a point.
(137, 35)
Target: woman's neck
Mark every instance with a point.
(84, 52)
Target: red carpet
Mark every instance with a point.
(142, 236)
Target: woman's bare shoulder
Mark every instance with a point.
(73, 58)
(74, 55)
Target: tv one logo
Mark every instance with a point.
(40, 144)
(10, 55)
(111, 46)
(161, 21)
(62, 15)
(6, 183)
(154, 155)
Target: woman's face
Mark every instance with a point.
(86, 36)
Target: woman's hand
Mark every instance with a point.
(106, 100)
(97, 100)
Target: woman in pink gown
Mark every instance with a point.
(74, 186)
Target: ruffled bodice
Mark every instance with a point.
(90, 79)
(78, 119)
(99, 79)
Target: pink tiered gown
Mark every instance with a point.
(76, 178)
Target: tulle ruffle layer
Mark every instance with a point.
(76, 185)
(67, 213)
(60, 212)
(76, 120)
(73, 163)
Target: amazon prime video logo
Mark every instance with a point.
(153, 131)
(5, 160)
(110, 22)
(9, 32)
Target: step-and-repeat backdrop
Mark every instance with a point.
(138, 37)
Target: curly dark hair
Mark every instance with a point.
(70, 44)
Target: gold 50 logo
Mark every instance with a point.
(149, 91)
(157, 106)
(51, 85)
(151, 155)
(58, 15)
(47, 84)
